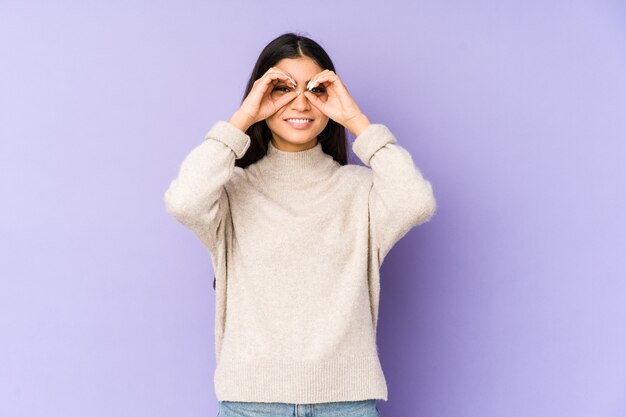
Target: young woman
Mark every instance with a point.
(297, 236)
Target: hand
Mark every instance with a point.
(259, 105)
(338, 105)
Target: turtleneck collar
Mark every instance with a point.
(308, 166)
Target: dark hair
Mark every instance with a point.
(291, 45)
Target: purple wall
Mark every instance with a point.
(510, 302)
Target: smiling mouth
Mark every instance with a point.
(299, 123)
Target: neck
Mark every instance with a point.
(298, 167)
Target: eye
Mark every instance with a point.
(318, 90)
(282, 88)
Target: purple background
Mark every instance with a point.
(510, 302)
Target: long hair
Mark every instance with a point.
(291, 45)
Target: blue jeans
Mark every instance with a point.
(363, 408)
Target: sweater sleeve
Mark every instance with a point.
(196, 197)
(400, 197)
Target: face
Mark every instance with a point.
(286, 135)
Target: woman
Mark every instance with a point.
(297, 237)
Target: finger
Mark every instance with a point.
(285, 99)
(334, 79)
(319, 75)
(322, 79)
(271, 76)
(274, 69)
(287, 74)
(315, 100)
(267, 80)
(279, 70)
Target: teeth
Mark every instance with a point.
(299, 120)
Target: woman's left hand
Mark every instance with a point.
(339, 105)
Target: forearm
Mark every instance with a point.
(357, 124)
(241, 120)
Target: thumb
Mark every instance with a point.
(285, 99)
(315, 100)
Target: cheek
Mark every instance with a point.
(274, 118)
(275, 123)
(323, 122)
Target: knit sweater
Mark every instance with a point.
(296, 241)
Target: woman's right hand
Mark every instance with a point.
(259, 104)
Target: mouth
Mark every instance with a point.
(299, 123)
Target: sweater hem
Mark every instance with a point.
(300, 382)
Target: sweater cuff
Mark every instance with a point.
(374, 137)
(231, 136)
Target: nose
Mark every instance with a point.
(300, 103)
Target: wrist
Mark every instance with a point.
(357, 124)
(241, 120)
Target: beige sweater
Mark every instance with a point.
(296, 242)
